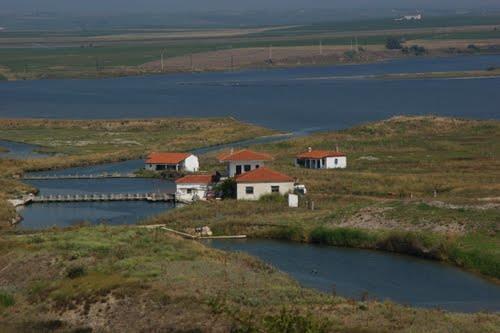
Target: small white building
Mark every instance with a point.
(321, 159)
(172, 161)
(243, 161)
(416, 17)
(193, 187)
(258, 182)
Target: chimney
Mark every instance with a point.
(309, 149)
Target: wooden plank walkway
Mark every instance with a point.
(77, 176)
(165, 197)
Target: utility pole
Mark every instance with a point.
(270, 53)
(162, 62)
(191, 61)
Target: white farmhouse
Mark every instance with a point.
(172, 161)
(258, 182)
(194, 187)
(321, 159)
(243, 161)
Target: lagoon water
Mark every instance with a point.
(287, 99)
(352, 272)
(20, 151)
(42, 216)
(298, 100)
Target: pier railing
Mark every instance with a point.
(77, 176)
(166, 197)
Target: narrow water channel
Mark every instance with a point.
(20, 151)
(379, 275)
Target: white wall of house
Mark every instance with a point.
(191, 164)
(259, 189)
(327, 163)
(336, 162)
(189, 192)
(245, 166)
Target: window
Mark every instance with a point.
(189, 191)
(247, 167)
(257, 166)
(275, 189)
(238, 169)
(160, 167)
(249, 190)
(336, 161)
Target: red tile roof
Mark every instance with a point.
(317, 154)
(195, 179)
(166, 158)
(245, 155)
(263, 175)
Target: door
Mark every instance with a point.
(238, 169)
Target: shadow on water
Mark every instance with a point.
(353, 272)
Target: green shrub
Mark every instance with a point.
(393, 43)
(6, 300)
(341, 237)
(227, 189)
(292, 322)
(273, 197)
(75, 272)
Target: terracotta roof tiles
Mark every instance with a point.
(166, 158)
(263, 175)
(245, 155)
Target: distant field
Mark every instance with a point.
(120, 52)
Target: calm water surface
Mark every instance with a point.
(403, 279)
(20, 151)
(286, 99)
(42, 216)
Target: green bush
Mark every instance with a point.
(393, 43)
(75, 272)
(6, 300)
(292, 322)
(227, 189)
(273, 197)
(348, 237)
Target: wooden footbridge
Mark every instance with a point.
(153, 197)
(77, 176)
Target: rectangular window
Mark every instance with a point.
(336, 161)
(247, 167)
(249, 190)
(189, 191)
(275, 189)
(238, 169)
(257, 166)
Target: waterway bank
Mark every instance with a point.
(363, 274)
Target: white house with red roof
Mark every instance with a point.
(172, 161)
(242, 161)
(253, 184)
(321, 159)
(194, 187)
